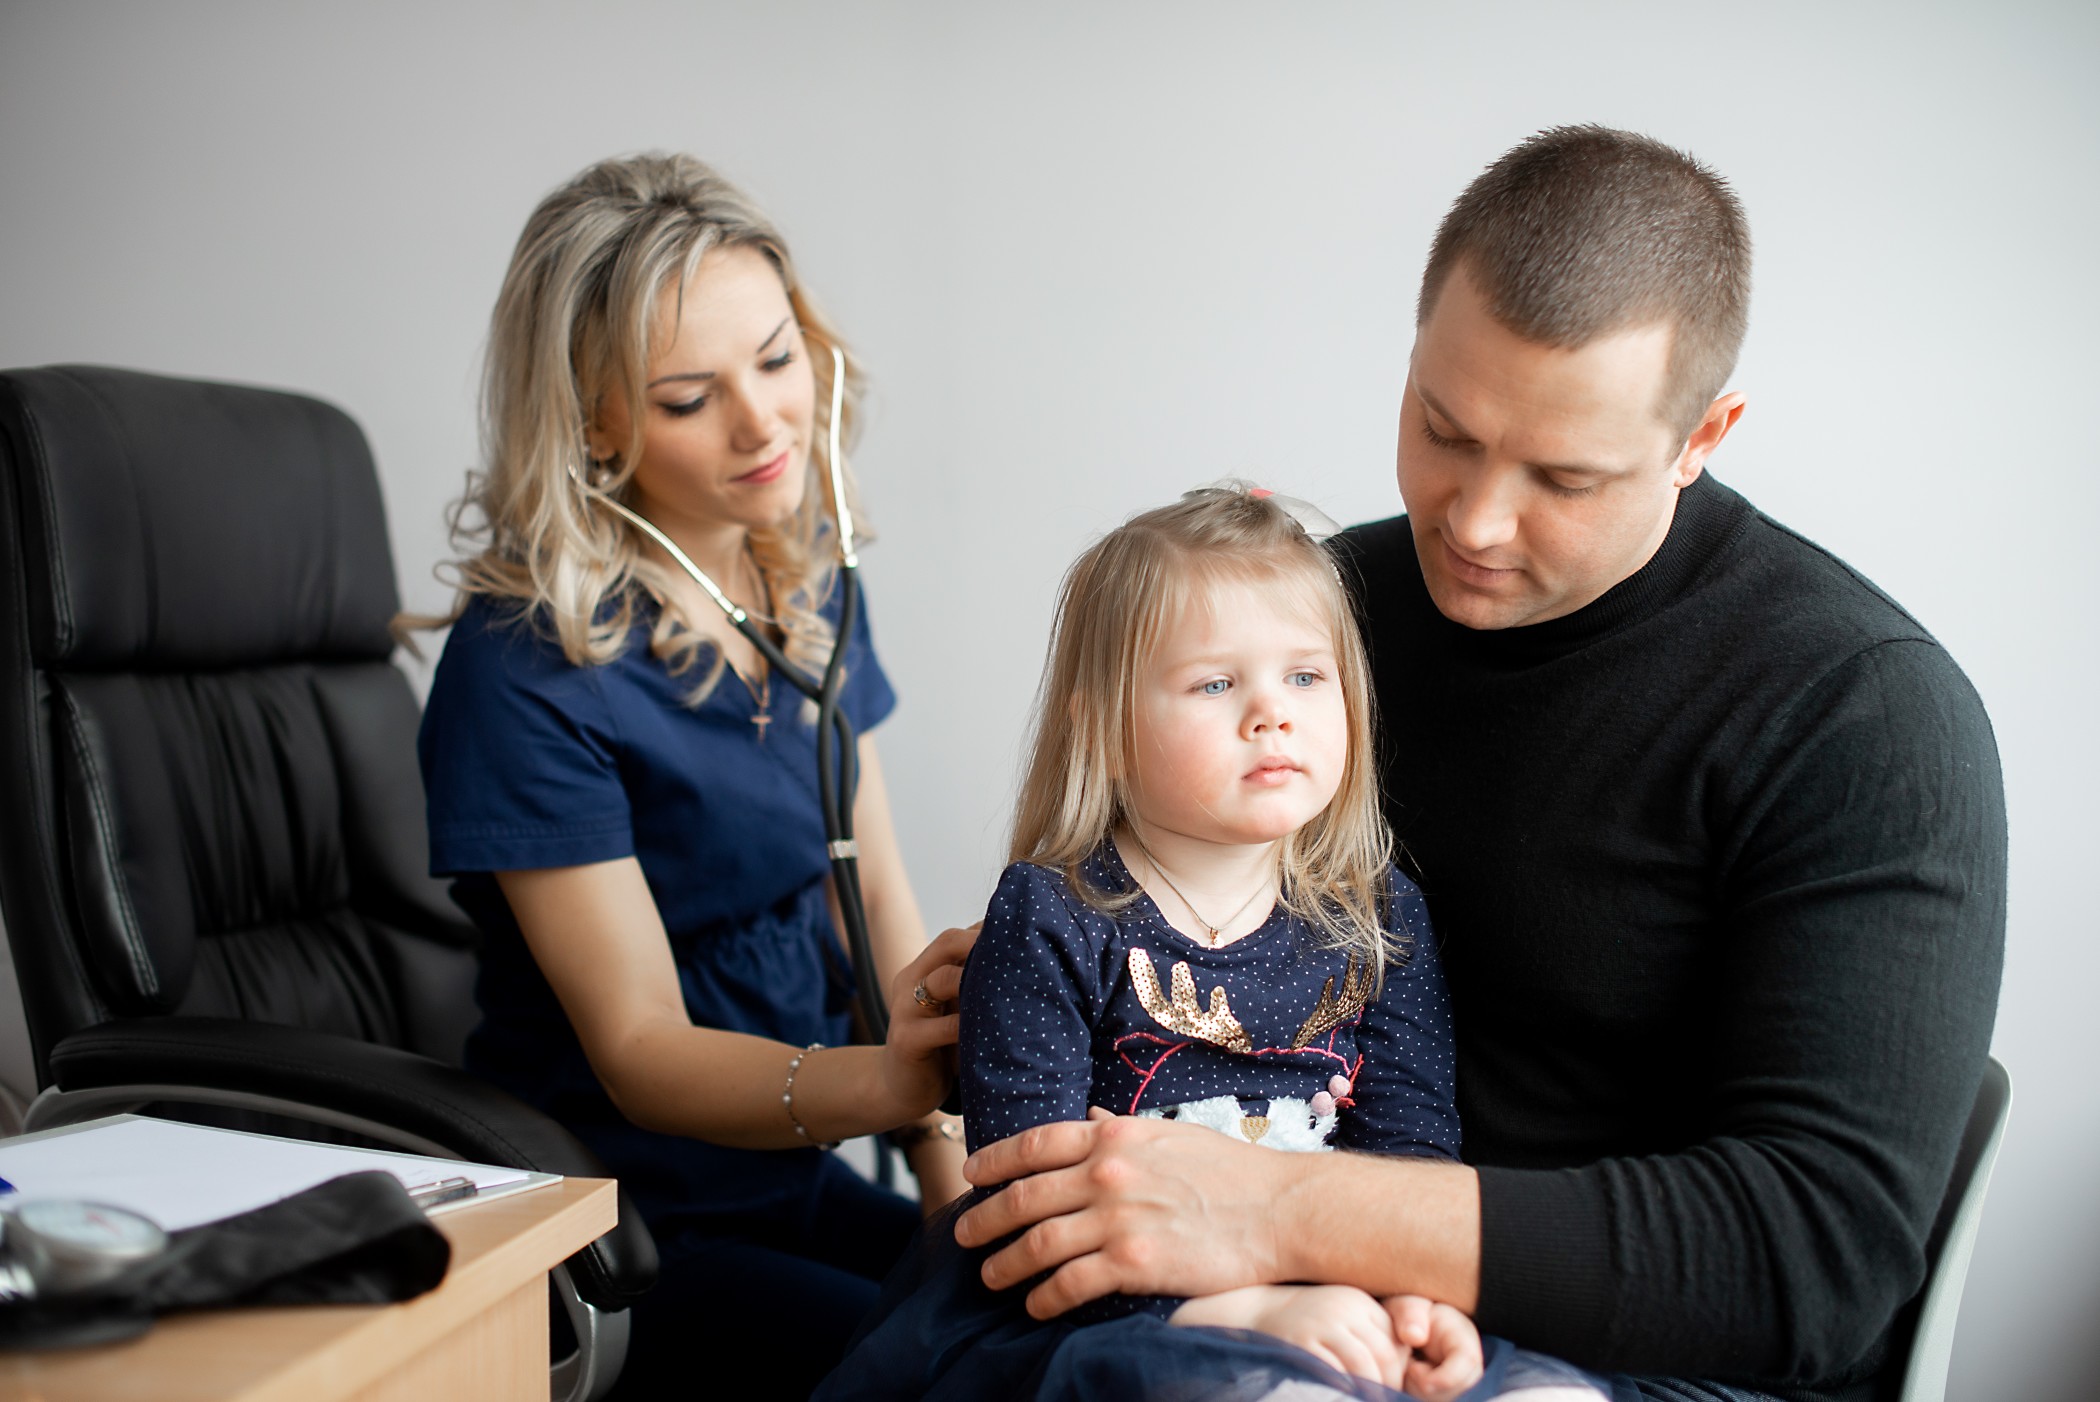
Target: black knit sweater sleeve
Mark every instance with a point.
(1858, 963)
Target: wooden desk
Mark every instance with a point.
(480, 1335)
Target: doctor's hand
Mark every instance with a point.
(1118, 1203)
(917, 1063)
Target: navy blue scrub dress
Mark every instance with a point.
(530, 762)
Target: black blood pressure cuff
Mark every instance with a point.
(357, 1239)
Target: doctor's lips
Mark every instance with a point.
(765, 472)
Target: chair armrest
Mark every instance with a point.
(389, 1087)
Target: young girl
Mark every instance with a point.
(1201, 923)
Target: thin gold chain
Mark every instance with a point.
(1161, 872)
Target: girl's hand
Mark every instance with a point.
(1338, 1324)
(1444, 1344)
(916, 1064)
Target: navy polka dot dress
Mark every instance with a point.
(1064, 1006)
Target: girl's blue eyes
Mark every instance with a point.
(1218, 686)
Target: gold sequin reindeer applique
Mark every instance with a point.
(1331, 1012)
(1217, 1026)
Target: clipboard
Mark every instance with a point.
(183, 1175)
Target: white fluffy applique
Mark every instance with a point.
(1290, 1125)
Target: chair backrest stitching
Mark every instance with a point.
(134, 940)
(40, 467)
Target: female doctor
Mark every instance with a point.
(628, 799)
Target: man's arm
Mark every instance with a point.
(1146, 1206)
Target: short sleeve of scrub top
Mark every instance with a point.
(531, 762)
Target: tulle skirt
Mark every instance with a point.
(940, 1334)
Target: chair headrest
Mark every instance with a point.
(177, 523)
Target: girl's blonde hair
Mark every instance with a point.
(1117, 602)
(574, 320)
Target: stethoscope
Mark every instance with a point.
(838, 768)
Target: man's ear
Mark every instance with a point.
(1720, 417)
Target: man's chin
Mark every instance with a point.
(1473, 608)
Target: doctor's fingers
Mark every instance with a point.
(944, 951)
(917, 1034)
(948, 947)
(943, 985)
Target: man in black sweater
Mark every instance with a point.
(1712, 833)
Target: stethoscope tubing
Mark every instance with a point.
(838, 762)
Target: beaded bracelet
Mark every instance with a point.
(787, 1096)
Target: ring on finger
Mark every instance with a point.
(924, 999)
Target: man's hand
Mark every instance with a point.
(1140, 1206)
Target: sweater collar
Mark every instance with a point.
(1708, 519)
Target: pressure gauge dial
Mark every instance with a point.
(59, 1246)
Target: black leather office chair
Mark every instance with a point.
(214, 865)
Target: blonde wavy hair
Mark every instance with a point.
(574, 320)
(1115, 607)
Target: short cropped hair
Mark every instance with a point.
(1583, 231)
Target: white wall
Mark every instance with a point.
(1096, 253)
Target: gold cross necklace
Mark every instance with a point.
(762, 697)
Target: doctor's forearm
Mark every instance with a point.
(728, 1088)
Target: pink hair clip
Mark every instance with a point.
(1316, 524)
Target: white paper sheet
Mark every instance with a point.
(181, 1175)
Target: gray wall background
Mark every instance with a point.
(1094, 254)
